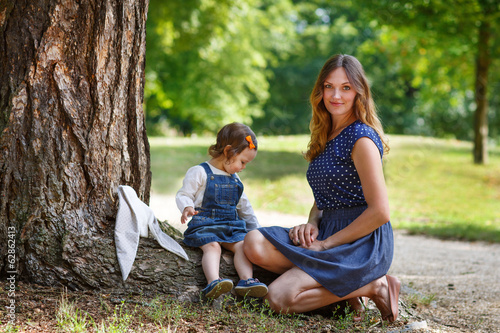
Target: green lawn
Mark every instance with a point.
(434, 188)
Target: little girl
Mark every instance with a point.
(212, 194)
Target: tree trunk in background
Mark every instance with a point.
(72, 130)
(481, 115)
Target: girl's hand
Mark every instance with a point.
(303, 235)
(187, 213)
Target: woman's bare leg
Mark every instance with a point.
(211, 260)
(262, 253)
(296, 291)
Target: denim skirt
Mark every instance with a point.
(345, 268)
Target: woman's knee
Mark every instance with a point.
(253, 246)
(279, 301)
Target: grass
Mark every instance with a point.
(420, 300)
(274, 181)
(434, 188)
(227, 314)
(69, 317)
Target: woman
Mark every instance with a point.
(345, 249)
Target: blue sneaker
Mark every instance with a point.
(251, 287)
(217, 287)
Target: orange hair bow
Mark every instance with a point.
(250, 142)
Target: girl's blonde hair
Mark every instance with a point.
(364, 107)
(234, 135)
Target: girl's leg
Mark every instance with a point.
(262, 253)
(247, 286)
(243, 266)
(211, 260)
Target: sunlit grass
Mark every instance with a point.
(433, 186)
(167, 314)
(70, 318)
(274, 181)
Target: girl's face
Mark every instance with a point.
(338, 93)
(238, 162)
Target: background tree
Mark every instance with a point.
(71, 124)
(206, 60)
(460, 36)
(322, 28)
(420, 57)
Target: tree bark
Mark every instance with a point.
(156, 271)
(72, 130)
(481, 115)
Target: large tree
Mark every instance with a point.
(71, 130)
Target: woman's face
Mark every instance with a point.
(338, 93)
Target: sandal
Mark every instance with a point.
(394, 286)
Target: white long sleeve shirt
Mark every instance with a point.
(193, 189)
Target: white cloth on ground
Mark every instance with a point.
(133, 220)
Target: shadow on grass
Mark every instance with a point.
(169, 165)
(452, 147)
(456, 231)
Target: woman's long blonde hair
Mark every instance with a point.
(364, 107)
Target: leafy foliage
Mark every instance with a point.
(255, 61)
(431, 48)
(207, 60)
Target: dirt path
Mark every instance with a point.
(463, 277)
(460, 279)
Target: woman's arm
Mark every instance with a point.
(367, 161)
(315, 215)
(305, 234)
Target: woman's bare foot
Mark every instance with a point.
(387, 297)
(357, 306)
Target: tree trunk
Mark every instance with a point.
(157, 271)
(481, 115)
(72, 130)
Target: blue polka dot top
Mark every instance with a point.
(332, 175)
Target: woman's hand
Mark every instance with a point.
(317, 245)
(304, 235)
(187, 213)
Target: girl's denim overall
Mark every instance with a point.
(217, 220)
